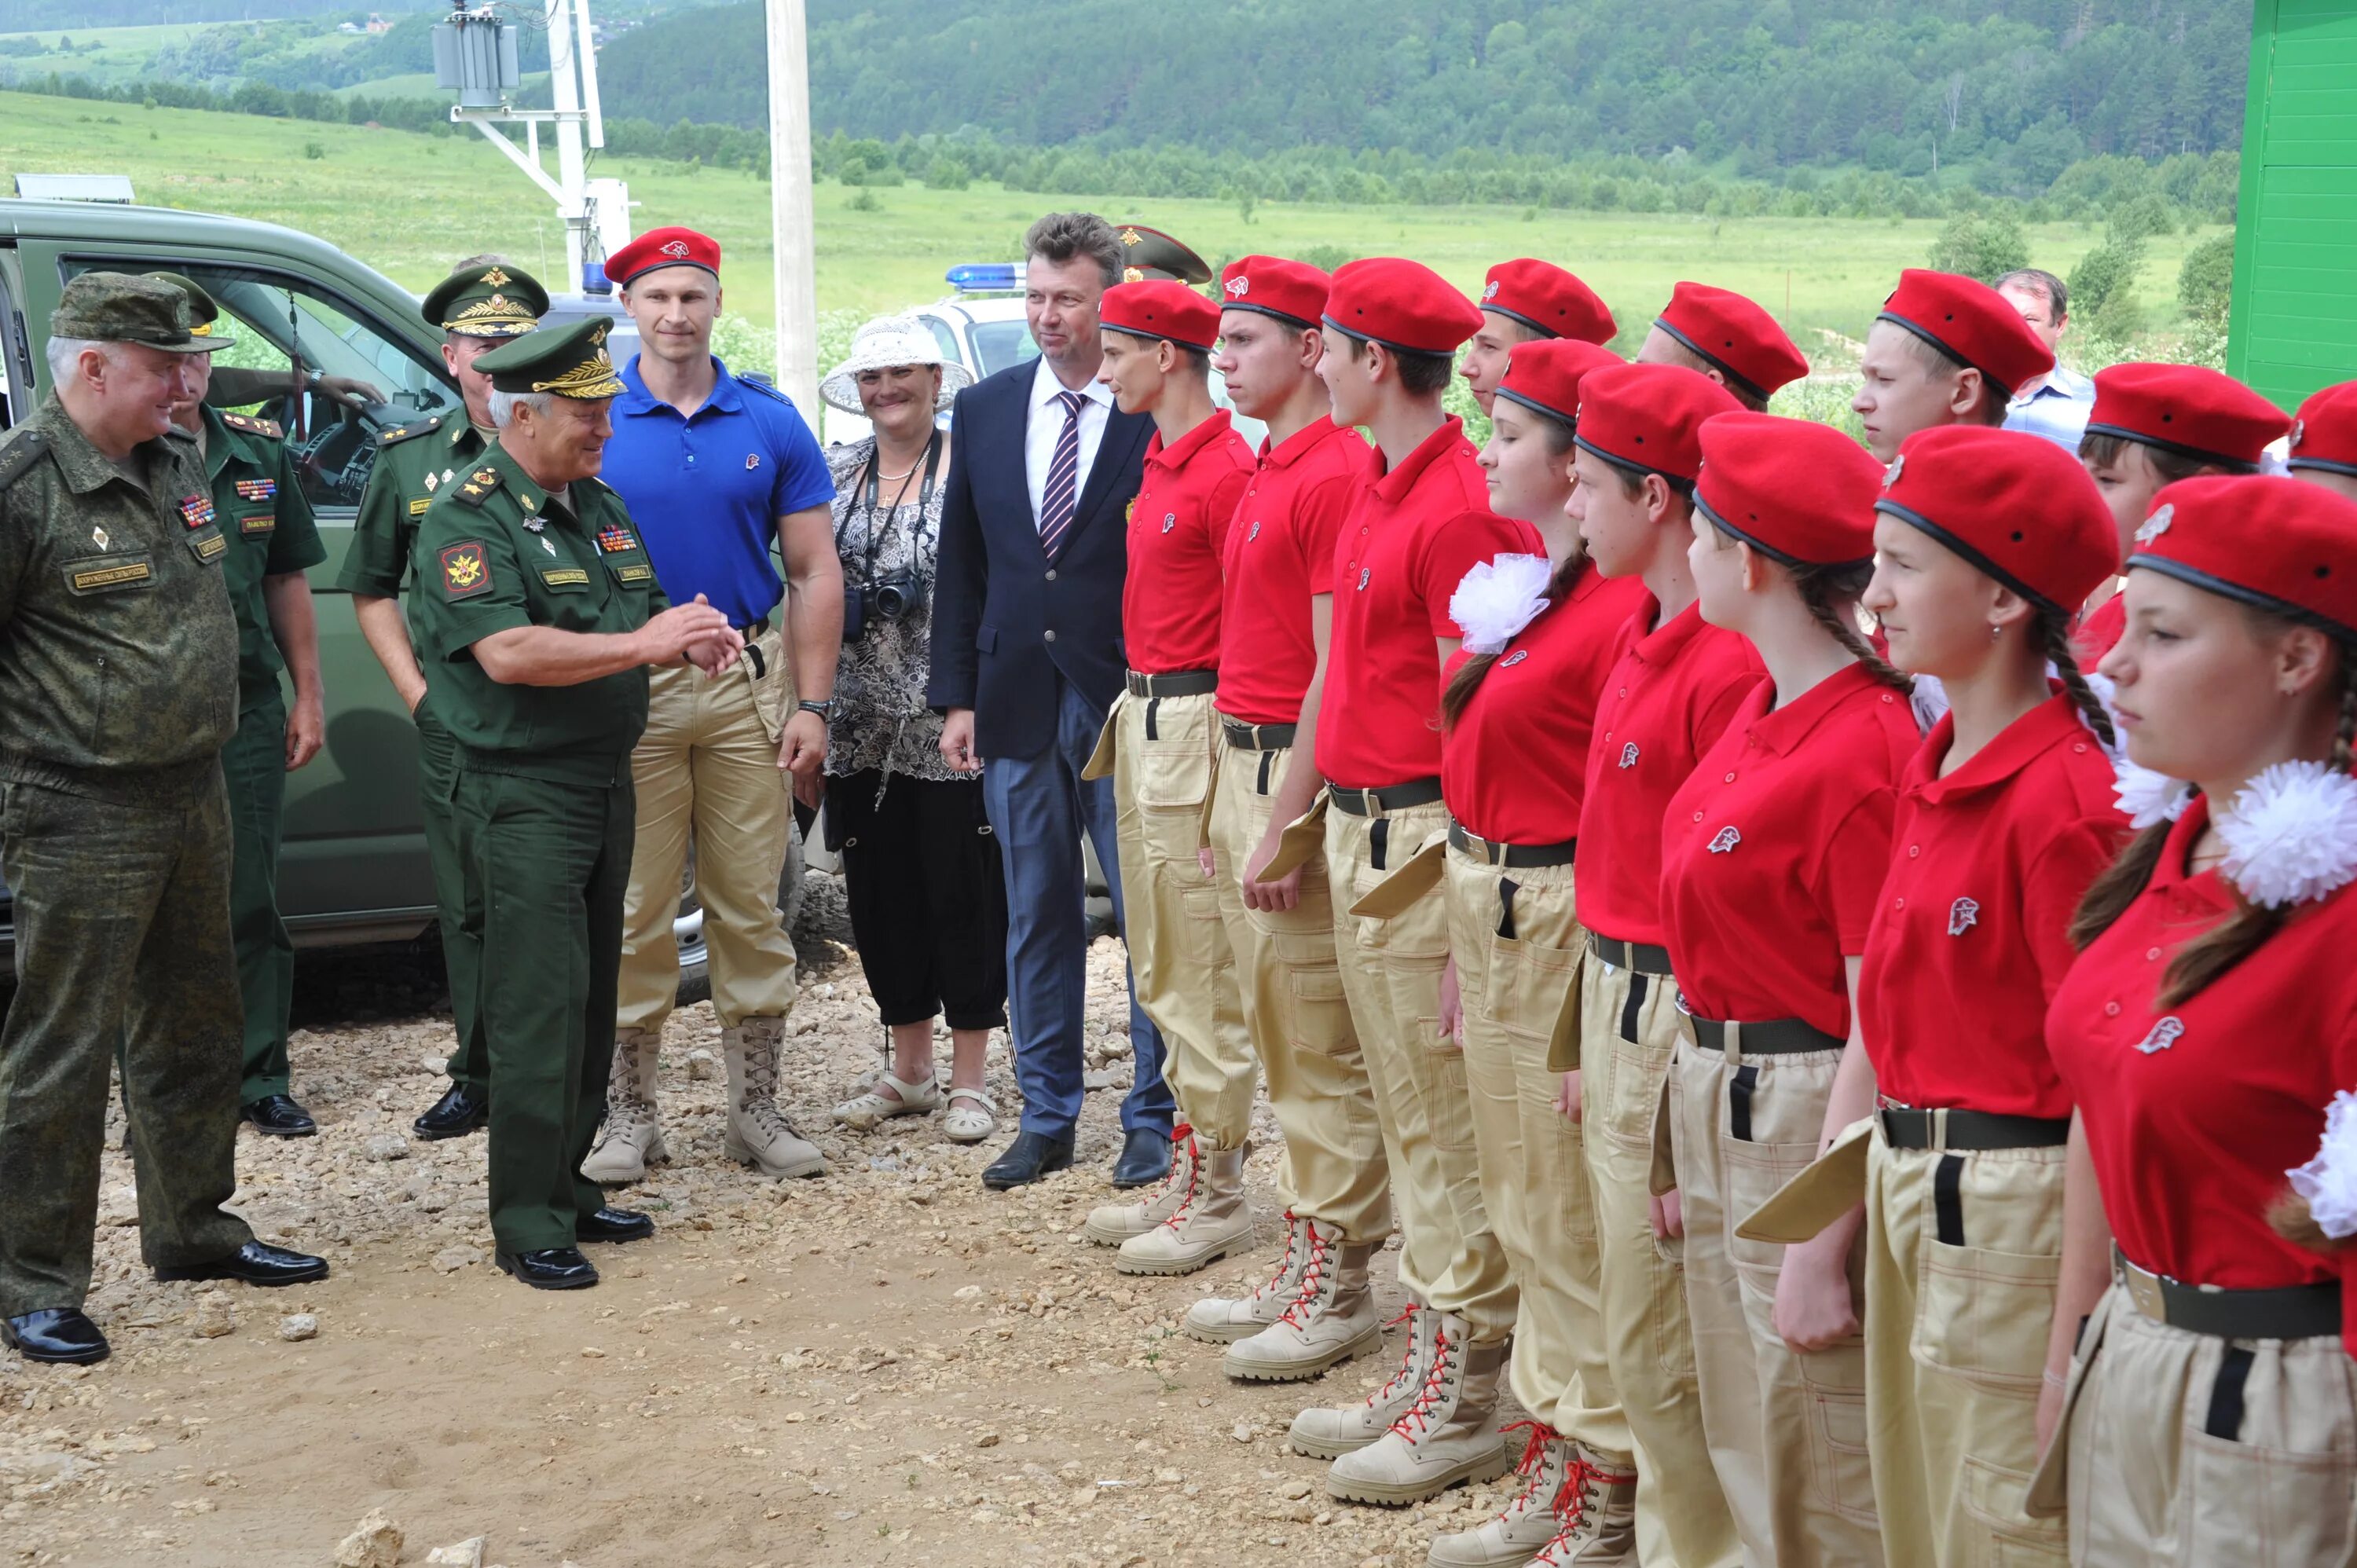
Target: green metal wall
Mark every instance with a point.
(2293, 327)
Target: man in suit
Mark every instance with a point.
(1027, 658)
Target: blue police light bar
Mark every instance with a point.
(982, 277)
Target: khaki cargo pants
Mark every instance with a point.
(1787, 1431)
(1449, 1258)
(1289, 981)
(1630, 1024)
(1160, 753)
(1518, 947)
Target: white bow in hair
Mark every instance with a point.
(1497, 598)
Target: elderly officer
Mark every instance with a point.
(484, 303)
(538, 612)
(272, 540)
(118, 689)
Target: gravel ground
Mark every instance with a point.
(888, 1365)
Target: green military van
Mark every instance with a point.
(354, 868)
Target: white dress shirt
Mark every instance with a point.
(1044, 423)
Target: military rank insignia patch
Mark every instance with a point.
(613, 539)
(256, 490)
(196, 510)
(465, 572)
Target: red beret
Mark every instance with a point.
(1290, 291)
(2018, 506)
(1736, 335)
(1401, 305)
(1972, 324)
(2264, 539)
(1161, 308)
(1546, 375)
(1650, 416)
(663, 248)
(1796, 491)
(2190, 410)
(2325, 434)
(1544, 298)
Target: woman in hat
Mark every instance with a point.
(920, 865)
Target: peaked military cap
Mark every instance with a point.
(1149, 253)
(569, 361)
(489, 299)
(202, 310)
(115, 307)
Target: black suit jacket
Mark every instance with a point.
(1006, 623)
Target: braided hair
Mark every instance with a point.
(1830, 594)
(2054, 629)
(1458, 695)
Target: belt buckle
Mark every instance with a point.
(2144, 1290)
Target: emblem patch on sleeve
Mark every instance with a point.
(465, 572)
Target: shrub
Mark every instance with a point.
(2105, 274)
(1983, 245)
(2205, 283)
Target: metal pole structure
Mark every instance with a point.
(794, 258)
(564, 89)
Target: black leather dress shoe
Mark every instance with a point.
(614, 1225)
(55, 1334)
(462, 1110)
(1030, 1158)
(279, 1116)
(257, 1263)
(1144, 1158)
(550, 1267)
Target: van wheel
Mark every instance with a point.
(694, 959)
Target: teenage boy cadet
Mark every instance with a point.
(1944, 350)
(719, 471)
(1392, 327)
(1276, 615)
(1160, 744)
(1728, 338)
(482, 303)
(1521, 302)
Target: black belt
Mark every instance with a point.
(752, 630)
(2289, 1312)
(1772, 1037)
(1256, 737)
(1906, 1127)
(1643, 957)
(1512, 856)
(1392, 798)
(1185, 684)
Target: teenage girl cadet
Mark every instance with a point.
(1390, 327)
(1773, 852)
(1517, 713)
(1987, 540)
(2209, 1032)
(2152, 425)
(1726, 336)
(1528, 301)
(1944, 350)
(2324, 440)
(1676, 682)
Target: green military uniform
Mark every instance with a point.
(541, 796)
(118, 690)
(414, 462)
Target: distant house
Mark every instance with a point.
(377, 24)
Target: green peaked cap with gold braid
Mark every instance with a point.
(569, 361)
(489, 299)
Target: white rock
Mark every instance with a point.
(386, 1147)
(464, 1554)
(214, 1317)
(451, 1259)
(702, 1066)
(375, 1543)
(299, 1325)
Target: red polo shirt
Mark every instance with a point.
(1969, 935)
(2194, 1113)
(1536, 702)
(1280, 555)
(1402, 552)
(1177, 528)
(1671, 694)
(1774, 849)
(2100, 632)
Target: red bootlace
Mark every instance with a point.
(1285, 1259)
(1532, 1464)
(1407, 1357)
(1573, 1494)
(1413, 1420)
(1182, 1134)
(1313, 1277)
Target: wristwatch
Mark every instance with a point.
(825, 710)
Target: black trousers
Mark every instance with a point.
(928, 899)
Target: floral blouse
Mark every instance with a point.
(880, 720)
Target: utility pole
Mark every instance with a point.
(794, 259)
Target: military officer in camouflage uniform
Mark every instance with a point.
(261, 513)
(118, 689)
(482, 303)
(537, 613)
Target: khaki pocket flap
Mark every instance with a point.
(1210, 799)
(2050, 1485)
(1301, 839)
(1563, 1044)
(1829, 1188)
(1663, 1176)
(1100, 764)
(1397, 893)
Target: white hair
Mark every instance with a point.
(64, 354)
(503, 406)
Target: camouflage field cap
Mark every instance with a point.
(487, 299)
(569, 361)
(115, 307)
(203, 313)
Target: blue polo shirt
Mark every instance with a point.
(706, 491)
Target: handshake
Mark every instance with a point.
(697, 633)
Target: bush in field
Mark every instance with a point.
(2205, 283)
(1983, 245)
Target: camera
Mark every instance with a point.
(897, 597)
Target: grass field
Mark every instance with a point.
(408, 204)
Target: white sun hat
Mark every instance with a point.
(886, 343)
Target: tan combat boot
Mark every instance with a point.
(1223, 1320)
(1598, 1507)
(758, 1134)
(1111, 1224)
(1211, 1222)
(1527, 1525)
(1326, 1432)
(630, 1140)
(1449, 1435)
(1331, 1318)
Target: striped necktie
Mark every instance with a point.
(1059, 497)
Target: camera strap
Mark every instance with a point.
(878, 520)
